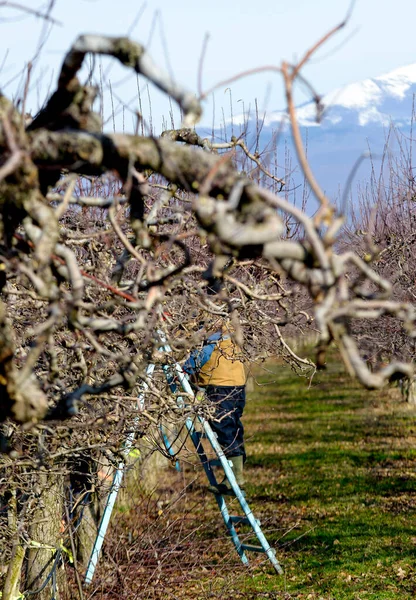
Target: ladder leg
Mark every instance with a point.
(220, 500)
(168, 446)
(231, 529)
(115, 487)
(243, 503)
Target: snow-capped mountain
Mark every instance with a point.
(380, 100)
(356, 119)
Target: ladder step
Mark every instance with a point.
(242, 520)
(255, 548)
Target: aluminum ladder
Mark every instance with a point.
(175, 375)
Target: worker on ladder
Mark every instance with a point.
(217, 369)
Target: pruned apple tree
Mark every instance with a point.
(112, 243)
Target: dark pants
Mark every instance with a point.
(229, 402)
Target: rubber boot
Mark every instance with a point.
(238, 468)
(224, 487)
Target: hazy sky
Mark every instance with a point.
(379, 37)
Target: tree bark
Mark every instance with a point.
(86, 531)
(14, 568)
(408, 389)
(45, 535)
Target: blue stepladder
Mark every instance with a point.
(175, 374)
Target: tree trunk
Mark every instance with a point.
(14, 568)
(14, 571)
(250, 385)
(408, 390)
(45, 534)
(92, 482)
(86, 532)
(411, 396)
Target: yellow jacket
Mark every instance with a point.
(218, 363)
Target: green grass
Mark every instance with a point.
(336, 464)
(331, 474)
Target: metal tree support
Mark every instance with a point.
(229, 520)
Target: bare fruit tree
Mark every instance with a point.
(112, 243)
(238, 219)
(381, 228)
